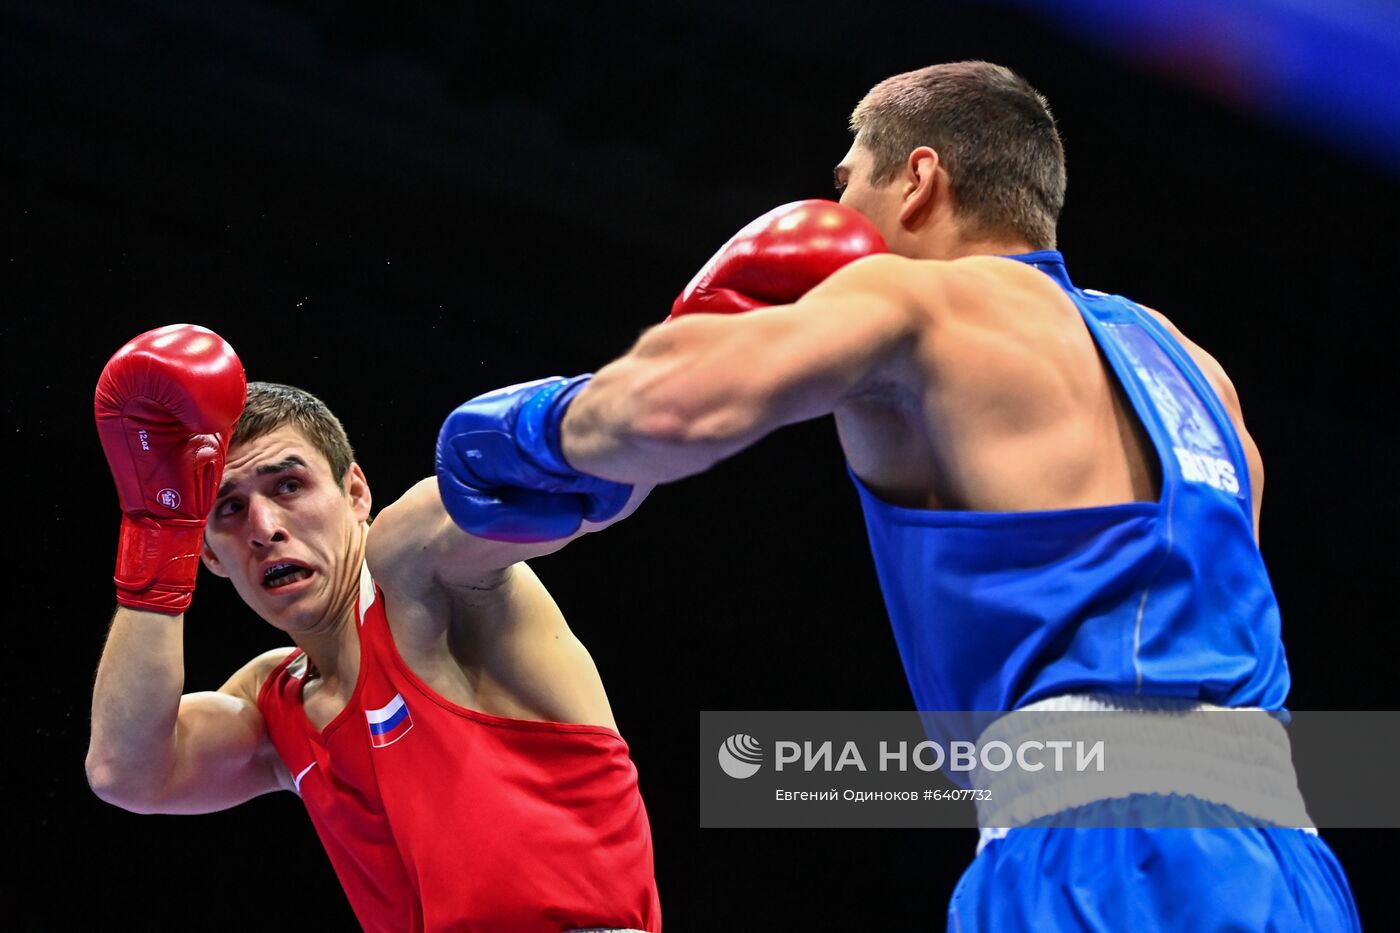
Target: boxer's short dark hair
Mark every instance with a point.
(993, 133)
(271, 405)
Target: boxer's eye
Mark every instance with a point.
(228, 507)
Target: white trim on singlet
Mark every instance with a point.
(366, 592)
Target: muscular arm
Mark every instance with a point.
(414, 543)
(699, 389)
(153, 750)
(458, 602)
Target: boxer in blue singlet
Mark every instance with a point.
(1061, 496)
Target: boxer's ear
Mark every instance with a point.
(210, 559)
(923, 186)
(357, 489)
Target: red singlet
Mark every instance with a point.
(438, 817)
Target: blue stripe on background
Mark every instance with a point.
(1329, 69)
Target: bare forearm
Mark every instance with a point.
(639, 423)
(135, 703)
(702, 388)
(601, 440)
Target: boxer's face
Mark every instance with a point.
(879, 203)
(905, 209)
(286, 533)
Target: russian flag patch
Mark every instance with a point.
(389, 723)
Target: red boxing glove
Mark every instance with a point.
(779, 258)
(166, 404)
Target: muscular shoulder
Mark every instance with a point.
(1219, 379)
(882, 281)
(894, 276)
(977, 317)
(972, 288)
(247, 682)
(1004, 293)
(413, 545)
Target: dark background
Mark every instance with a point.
(400, 209)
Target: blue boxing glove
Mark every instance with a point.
(502, 473)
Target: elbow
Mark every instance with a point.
(121, 789)
(106, 782)
(101, 776)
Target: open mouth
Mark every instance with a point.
(283, 574)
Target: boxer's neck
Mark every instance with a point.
(333, 647)
(986, 247)
(948, 238)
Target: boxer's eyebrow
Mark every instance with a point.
(267, 469)
(282, 466)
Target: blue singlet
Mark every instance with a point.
(993, 611)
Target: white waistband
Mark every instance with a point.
(1158, 745)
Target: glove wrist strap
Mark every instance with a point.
(157, 562)
(541, 419)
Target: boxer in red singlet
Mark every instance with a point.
(448, 734)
